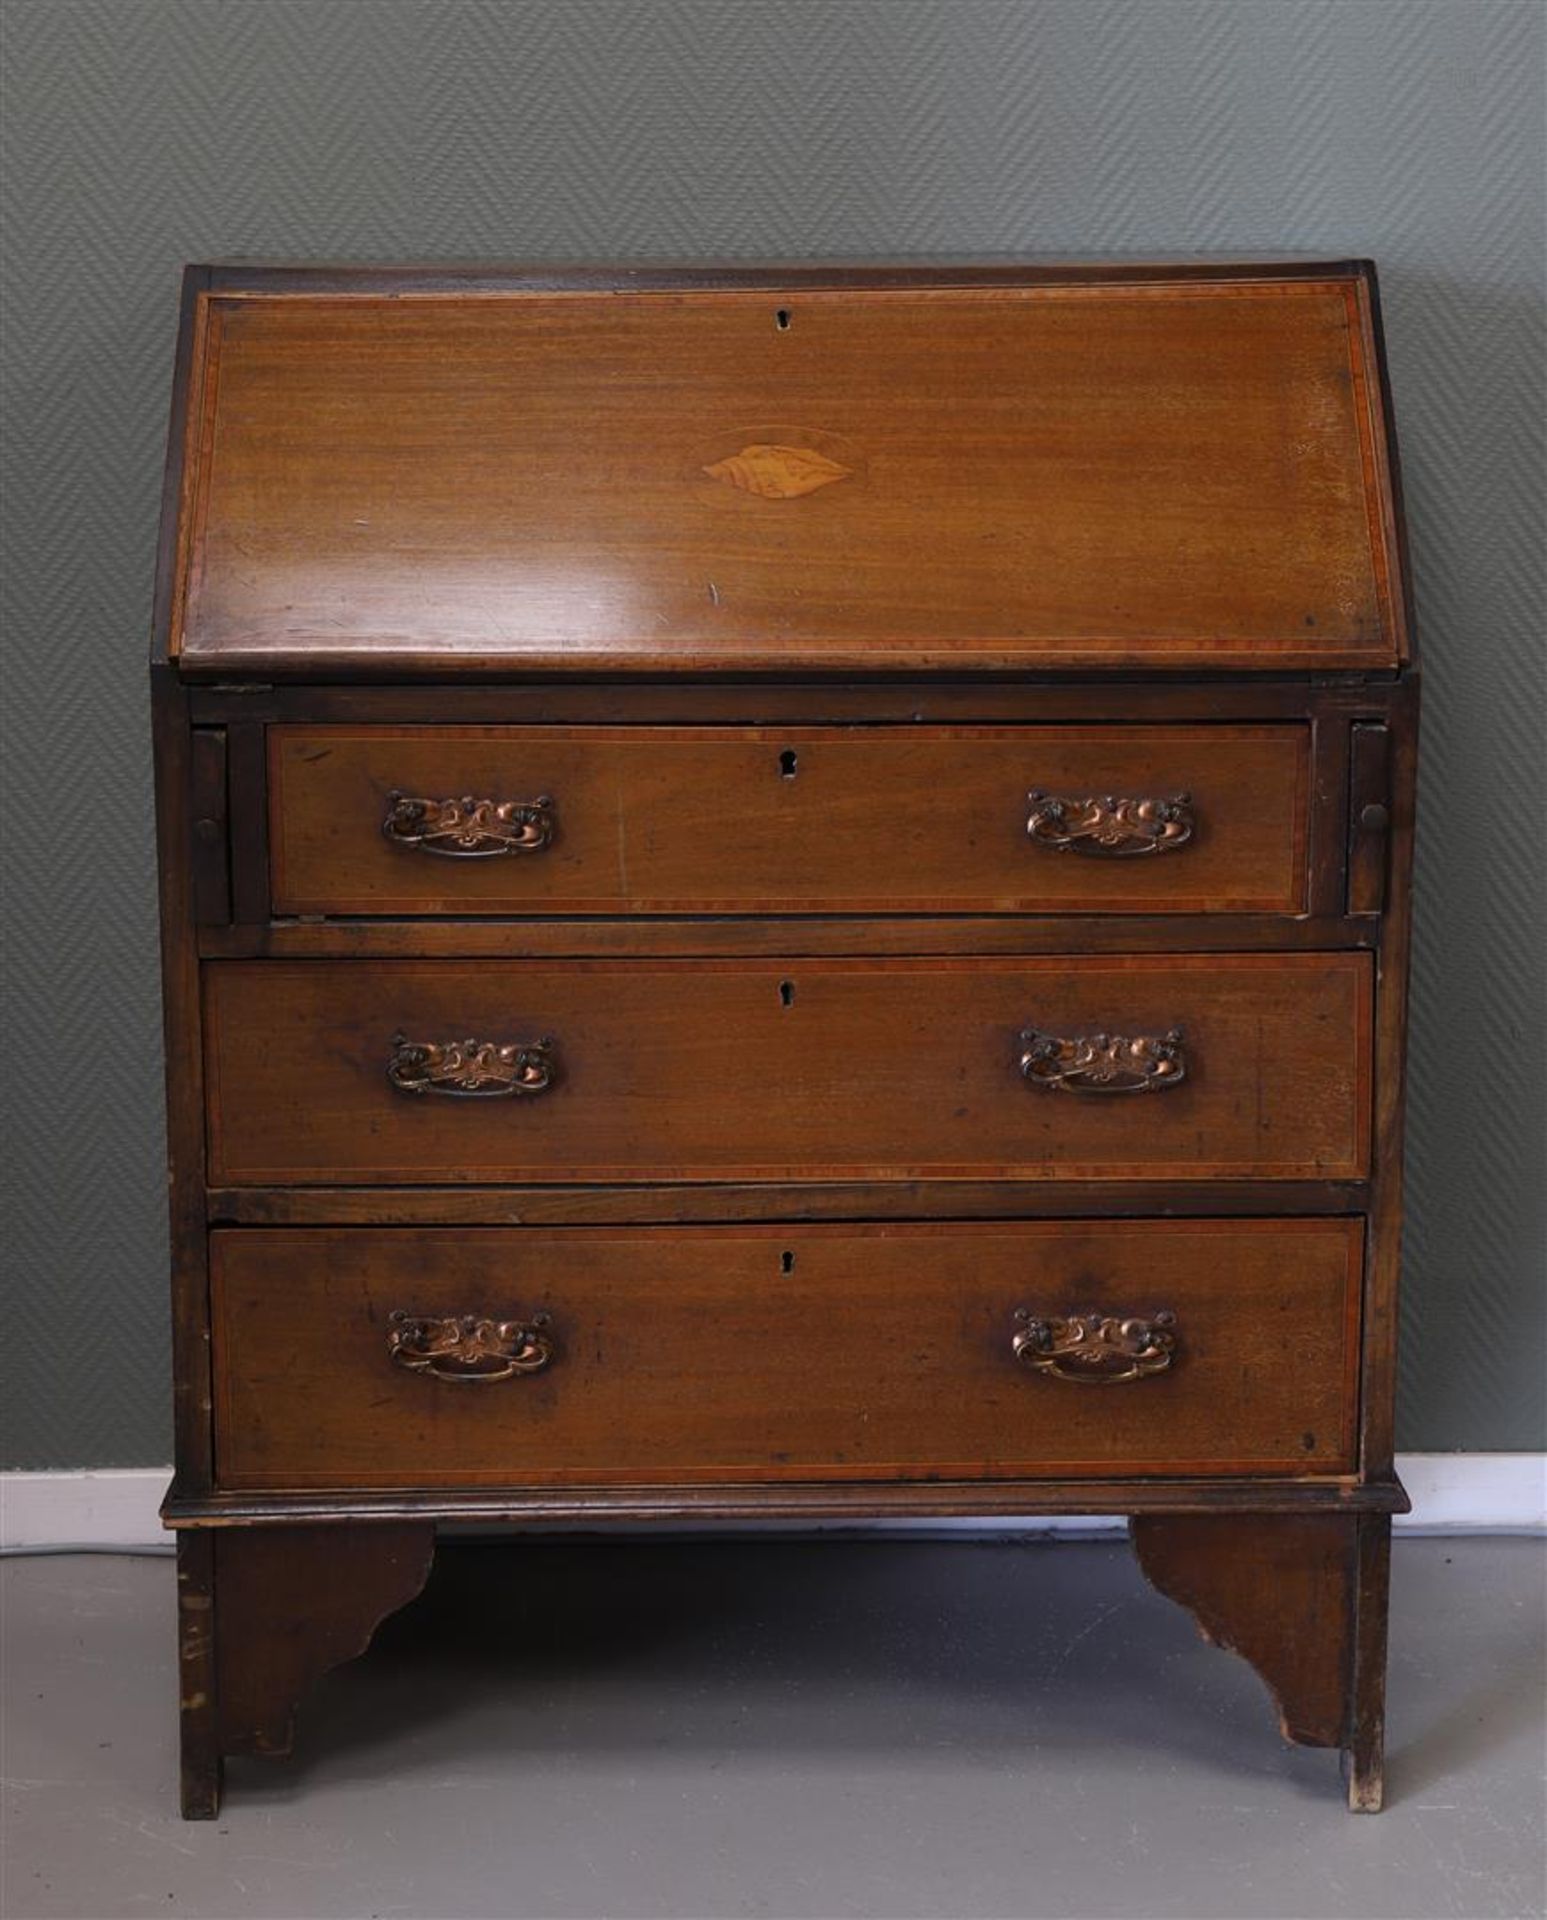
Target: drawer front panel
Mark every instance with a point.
(1197, 1066)
(674, 819)
(712, 1354)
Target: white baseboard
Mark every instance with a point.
(116, 1510)
(1474, 1492)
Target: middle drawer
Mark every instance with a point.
(1200, 1066)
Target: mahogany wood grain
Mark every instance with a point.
(743, 700)
(1365, 1740)
(1393, 964)
(186, 407)
(717, 1354)
(1387, 493)
(1327, 898)
(264, 1612)
(859, 272)
(1369, 816)
(248, 771)
(707, 1202)
(726, 820)
(291, 1602)
(1279, 1592)
(200, 1762)
(1049, 474)
(1303, 1599)
(859, 1069)
(210, 827)
(787, 1500)
(782, 937)
(183, 1053)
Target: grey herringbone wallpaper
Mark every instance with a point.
(143, 133)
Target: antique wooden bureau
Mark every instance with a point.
(785, 894)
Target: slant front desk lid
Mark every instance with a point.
(980, 470)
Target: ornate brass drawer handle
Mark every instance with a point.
(467, 1347)
(471, 1069)
(1095, 1348)
(1104, 1062)
(1110, 826)
(469, 829)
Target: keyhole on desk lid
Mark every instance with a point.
(789, 760)
(786, 1261)
(782, 319)
(786, 993)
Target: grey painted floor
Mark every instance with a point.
(780, 1728)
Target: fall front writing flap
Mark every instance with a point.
(1172, 472)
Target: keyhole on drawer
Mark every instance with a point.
(789, 760)
(782, 319)
(786, 1262)
(787, 993)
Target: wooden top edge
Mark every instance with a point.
(279, 276)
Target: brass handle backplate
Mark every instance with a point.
(1110, 826)
(1093, 1348)
(1103, 1062)
(472, 1069)
(468, 1346)
(469, 829)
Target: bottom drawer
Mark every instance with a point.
(515, 1356)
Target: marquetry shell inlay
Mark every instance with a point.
(778, 473)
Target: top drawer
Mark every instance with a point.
(535, 820)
